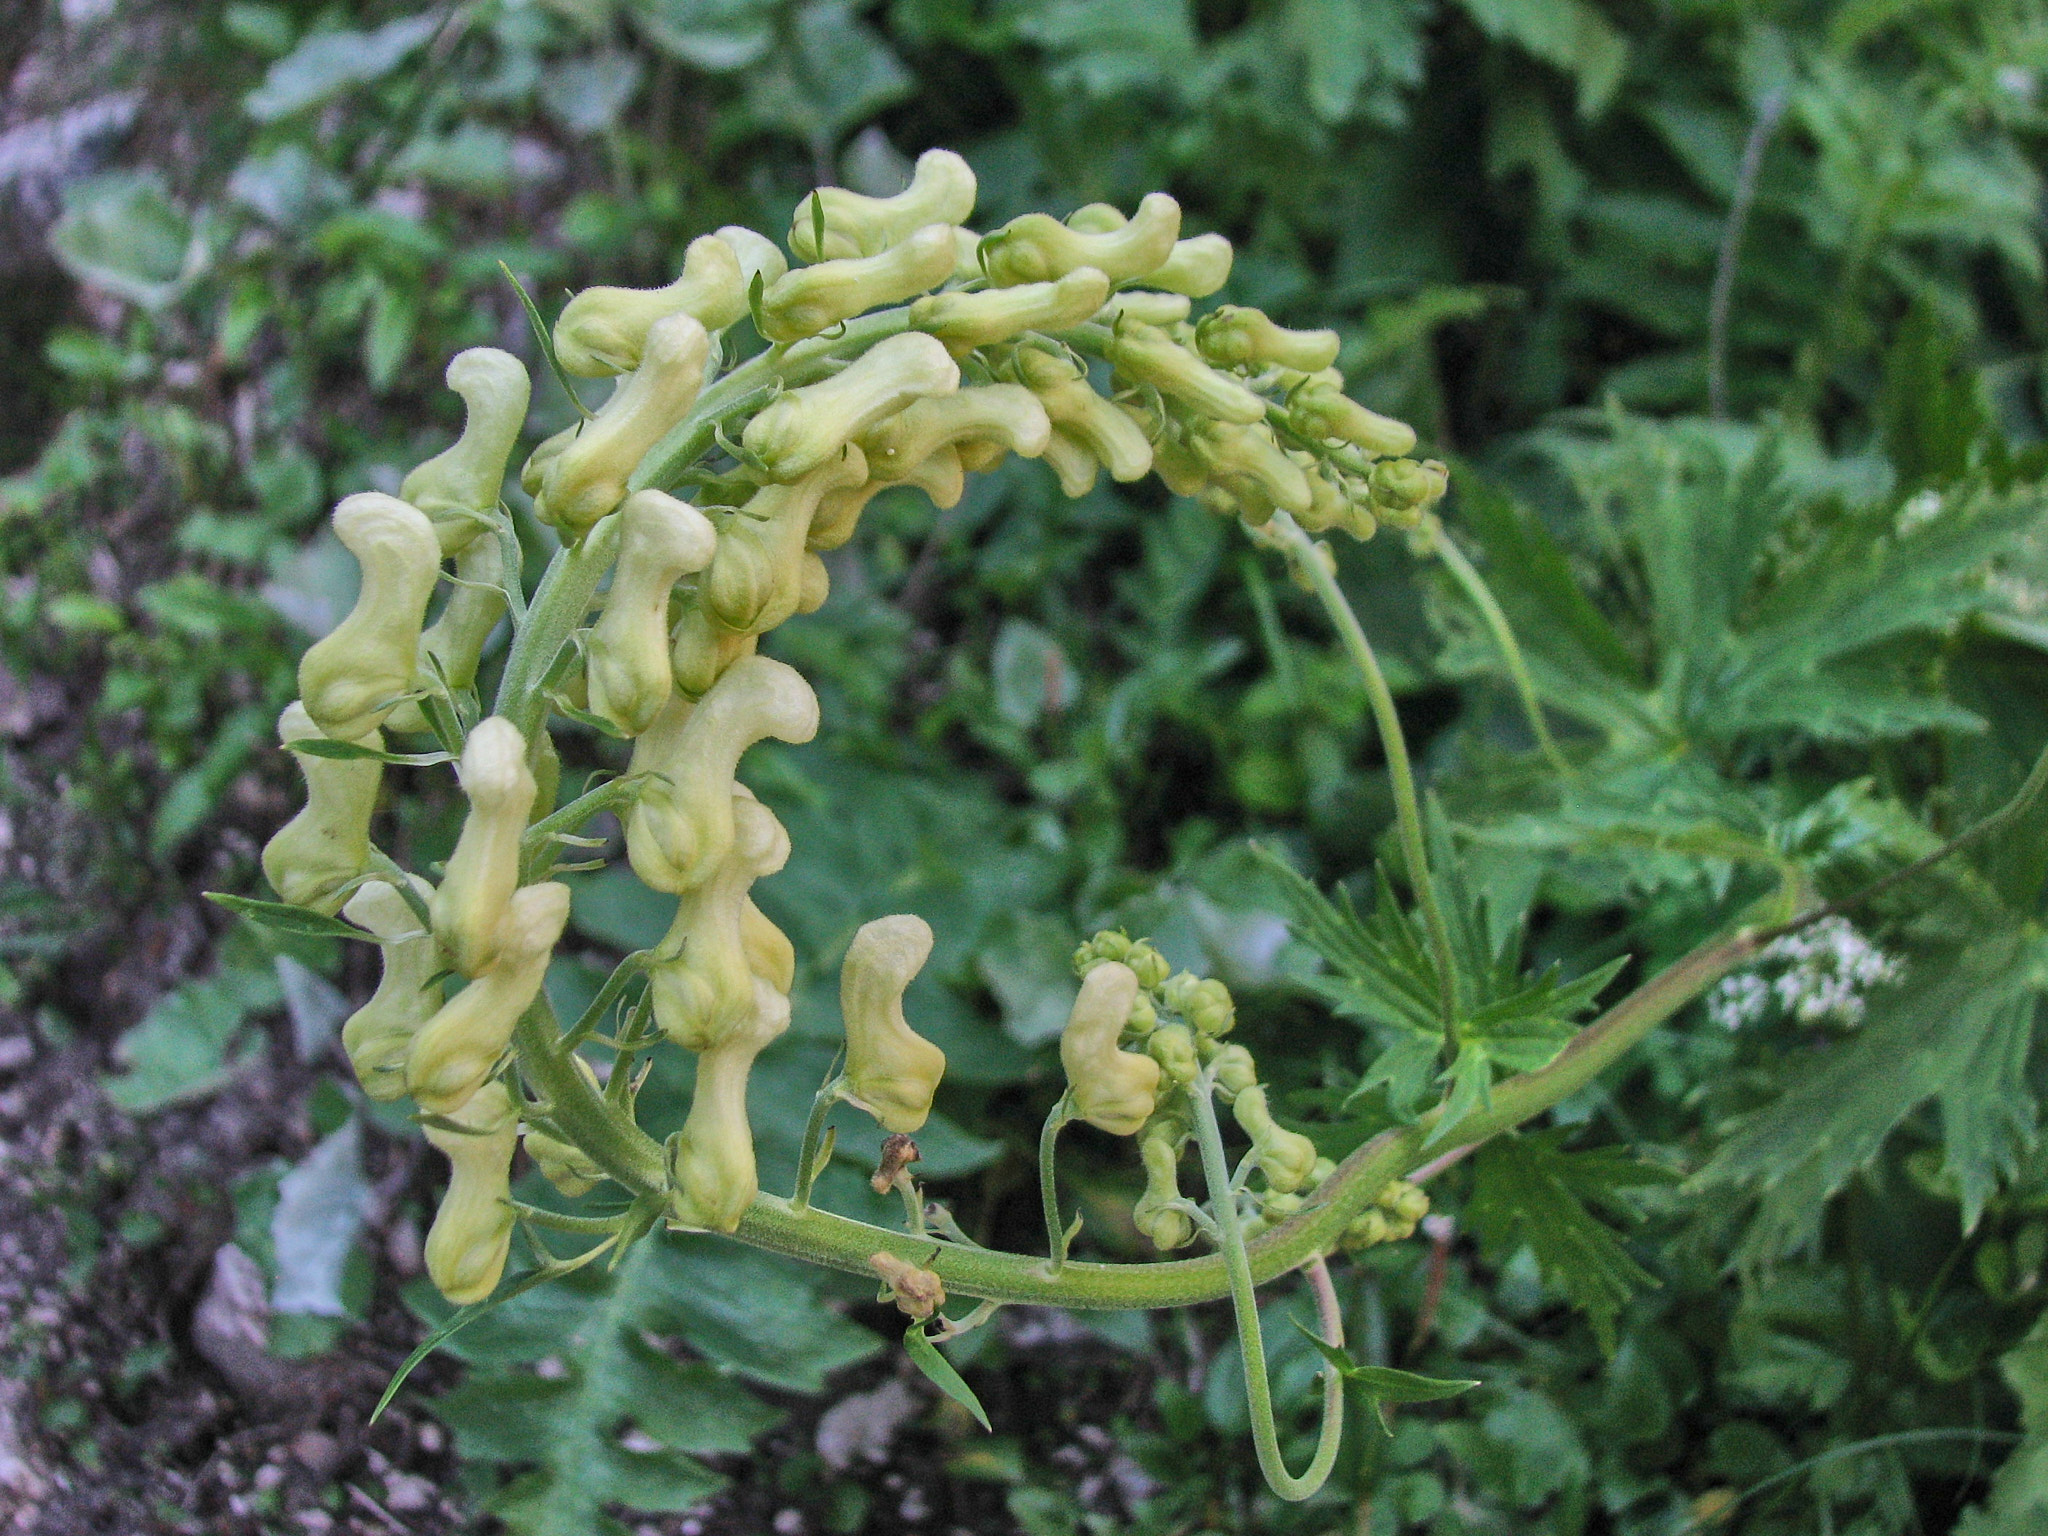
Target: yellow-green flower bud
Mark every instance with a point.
(472, 1232)
(704, 987)
(1367, 1231)
(483, 871)
(460, 1046)
(566, 1166)
(1403, 1201)
(1320, 413)
(604, 330)
(1250, 464)
(769, 952)
(378, 1036)
(1173, 1047)
(1234, 337)
(1143, 1020)
(1038, 248)
(661, 540)
(587, 478)
(1096, 218)
(755, 580)
(1197, 267)
(1235, 1071)
(1147, 964)
(797, 432)
(1079, 414)
(1006, 414)
(1144, 308)
(681, 827)
(352, 678)
(941, 191)
(1108, 944)
(814, 584)
(1284, 1156)
(964, 321)
(320, 850)
(1323, 1168)
(534, 472)
(939, 477)
(712, 1173)
(1072, 465)
(1328, 506)
(1402, 490)
(1147, 355)
(891, 1071)
(758, 256)
(1204, 1002)
(703, 648)
(563, 1164)
(455, 640)
(1180, 469)
(808, 300)
(458, 488)
(1113, 1090)
(1157, 1213)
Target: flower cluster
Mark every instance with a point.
(1828, 968)
(903, 349)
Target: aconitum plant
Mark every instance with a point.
(693, 508)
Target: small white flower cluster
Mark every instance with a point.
(1828, 969)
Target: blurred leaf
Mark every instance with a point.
(588, 94)
(329, 62)
(179, 1050)
(1569, 34)
(1528, 1189)
(321, 1206)
(313, 1004)
(831, 73)
(716, 35)
(120, 232)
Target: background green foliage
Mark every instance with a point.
(1767, 520)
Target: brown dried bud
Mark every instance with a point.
(918, 1293)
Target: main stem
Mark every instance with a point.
(1407, 808)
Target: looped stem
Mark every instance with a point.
(1244, 1302)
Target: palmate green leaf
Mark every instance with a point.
(1953, 1032)
(616, 1419)
(1528, 1189)
(1385, 973)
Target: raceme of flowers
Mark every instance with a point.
(903, 349)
